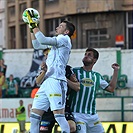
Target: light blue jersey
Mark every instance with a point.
(52, 91)
(58, 56)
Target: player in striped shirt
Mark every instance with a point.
(83, 103)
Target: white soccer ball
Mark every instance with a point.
(34, 13)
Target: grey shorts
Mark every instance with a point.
(21, 126)
(87, 123)
(52, 93)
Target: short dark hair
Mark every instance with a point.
(46, 49)
(70, 27)
(95, 52)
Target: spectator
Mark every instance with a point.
(3, 85)
(21, 116)
(3, 67)
(12, 89)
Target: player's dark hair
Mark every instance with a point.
(46, 49)
(95, 52)
(70, 27)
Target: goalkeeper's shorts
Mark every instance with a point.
(51, 93)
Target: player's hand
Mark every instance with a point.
(73, 78)
(41, 73)
(115, 66)
(44, 66)
(40, 77)
(31, 19)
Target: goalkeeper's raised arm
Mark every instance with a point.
(39, 40)
(32, 18)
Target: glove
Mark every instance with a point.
(31, 20)
(31, 17)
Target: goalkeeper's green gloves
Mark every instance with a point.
(32, 24)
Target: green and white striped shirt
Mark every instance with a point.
(84, 101)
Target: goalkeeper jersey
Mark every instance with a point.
(58, 56)
(83, 101)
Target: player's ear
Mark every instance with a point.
(67, 32)
(95, 60)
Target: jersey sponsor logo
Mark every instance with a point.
(55, 95)
(59, 103)
(87, 82)
(36, 96)
(42, 128)
(45, 123)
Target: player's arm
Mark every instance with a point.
(21, 111)
(43, 40)
(41, 74)
(113, 82)
(37, 36)
(36, 44)
(33, 36)
(40, 77)
(73, 83)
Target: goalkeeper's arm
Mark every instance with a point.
(41, 39)
(36, 44)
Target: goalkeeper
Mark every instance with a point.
(48, 119)
(52, 92)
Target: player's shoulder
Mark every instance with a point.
(76, 68)
(96, 73)
(64, 37)
(64, 40)
(68, 66)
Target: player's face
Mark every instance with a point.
(61, 29)
(89, 58)
(11, 77)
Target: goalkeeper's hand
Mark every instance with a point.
(31, 19)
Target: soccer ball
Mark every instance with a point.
(34, 13)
